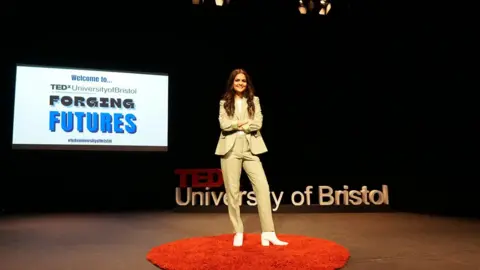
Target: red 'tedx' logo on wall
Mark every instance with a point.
(202, 178)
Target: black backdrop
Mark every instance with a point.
(362, 97)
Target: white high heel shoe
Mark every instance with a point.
(238, 240)
(271, 237)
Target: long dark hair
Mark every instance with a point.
(229, 95)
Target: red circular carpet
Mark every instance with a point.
(217, 253)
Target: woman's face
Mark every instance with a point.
(240, 83)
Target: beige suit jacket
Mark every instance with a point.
(228, 126)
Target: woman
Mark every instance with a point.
(239, 145)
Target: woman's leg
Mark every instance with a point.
(254, 169)
(231, 165)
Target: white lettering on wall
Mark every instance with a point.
(327, 196)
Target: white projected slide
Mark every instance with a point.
(75, 109)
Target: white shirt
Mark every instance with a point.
(238, 105)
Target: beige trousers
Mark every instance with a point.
(231, 164)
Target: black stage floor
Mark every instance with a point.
(119, 241)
